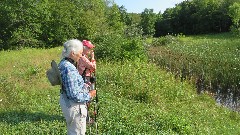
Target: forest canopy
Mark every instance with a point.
(48, 23)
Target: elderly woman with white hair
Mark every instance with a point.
(74, 93)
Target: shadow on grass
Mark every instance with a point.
(15, 117)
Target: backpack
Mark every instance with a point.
(53, 74)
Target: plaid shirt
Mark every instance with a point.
(73, 84)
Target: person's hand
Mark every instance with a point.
(86, 85)
(92, 93)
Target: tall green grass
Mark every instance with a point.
(135, 97)
(212, 60)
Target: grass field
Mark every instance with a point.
(135, 97)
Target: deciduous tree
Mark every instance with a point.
(148, 19)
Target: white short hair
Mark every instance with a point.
(74, 45)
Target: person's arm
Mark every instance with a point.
(75, 87)
(89, 64)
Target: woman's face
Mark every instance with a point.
(87, 50)
(76, 56)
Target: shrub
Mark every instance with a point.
(235, 30)
(117, 47)
(162, 41)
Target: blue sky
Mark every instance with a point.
(138, 6)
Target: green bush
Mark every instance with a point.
(117, 47)
(235, 30)
(165, 40)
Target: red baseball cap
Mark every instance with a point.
(88, 44)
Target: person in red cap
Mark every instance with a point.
(86, 66)
(87, 63)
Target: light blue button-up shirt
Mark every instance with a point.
(73, 83)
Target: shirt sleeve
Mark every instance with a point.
(75, 87)
(89, 64)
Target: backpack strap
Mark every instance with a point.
(71, 61)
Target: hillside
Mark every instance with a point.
(135, 97)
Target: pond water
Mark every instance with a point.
(230, 99)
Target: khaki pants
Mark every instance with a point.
(75, 115)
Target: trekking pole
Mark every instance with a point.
(95, 101)
(93, 120)
(96, 105)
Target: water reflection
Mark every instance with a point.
(229, 99)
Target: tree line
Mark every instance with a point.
(199, 17)
(48, 23)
